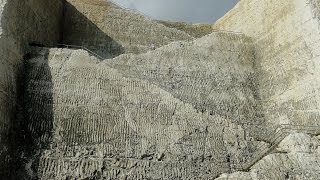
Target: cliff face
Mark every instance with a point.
(110, 30)
(147, 116)
(214, 74)
(195, 30)
(22, 22)
(162, 104)
(286, 38)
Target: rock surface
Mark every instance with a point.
(106, 124)
(143, 99)
(195, 30)
(298, 158)
(108, 30)
(287, 51)
(22, 22)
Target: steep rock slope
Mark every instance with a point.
(286, 37)
(95, 123)
(214, 74)
(109, 30)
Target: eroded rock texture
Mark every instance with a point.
(114, 126)
(196, 30)
(110, 31)
(286, 37)
(145, 100)
(296, 157)
(22, 22)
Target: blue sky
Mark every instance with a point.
(194, 11)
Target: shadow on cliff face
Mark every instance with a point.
(20, 140)
(33, 129)
(10, 67)
(80, 31)
(8, 104)
(26, 112)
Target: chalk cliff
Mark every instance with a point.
(110, 30)
(286, 38)
(22, 22)
(90, 90)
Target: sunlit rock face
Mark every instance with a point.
(286, 37)
(92, 91)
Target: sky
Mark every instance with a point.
(193, 11)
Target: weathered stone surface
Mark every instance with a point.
(286, 37)
(214, 74)
(103, 121)
(22, 22)
(195, 30)
(158, 109)
(109, 30)
(298, 159)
